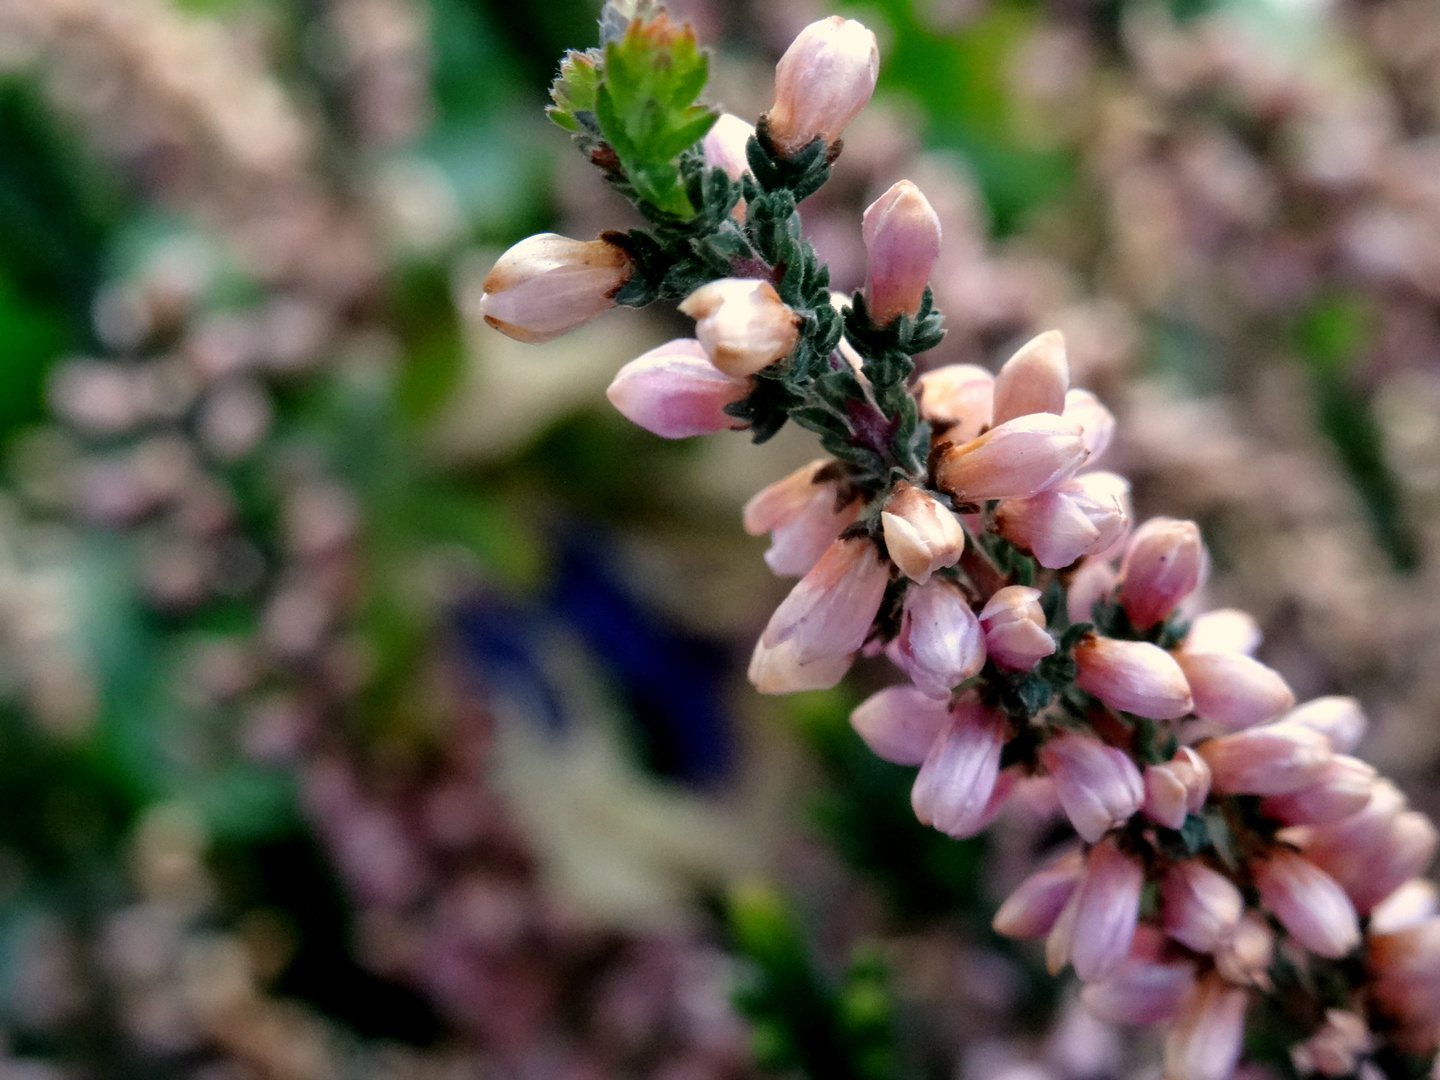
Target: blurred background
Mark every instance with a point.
(372, 696)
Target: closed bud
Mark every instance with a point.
(1080, 517)
(674, 391)
(1143, 991)
(1245, 959)
(955, 784)
(1204, 1040)
(743, 324)
(1013, 460)
(822, 82)
(1339, 719)
(940, 644)
(921, 534)
(1097, 927)
(1098, 786)
(724, 145)
(1031, 910)
(1223, 630)
(1342, 788)
(1014, 623)
(1176, 788)
(1234, 690)
(1034, 380)
(1271, 760)
(1307, 901)
(1164, 563)
(1132, 676)
(1336, 1048)
(900, 723)
(1410, 905)
(1406, 969)
(902, 242)
(547, 285)
(779, 669)
(1097, 423)
(957, 400)
(1201, 908)
(1373, 852)
(803, 513)
(1093, 582)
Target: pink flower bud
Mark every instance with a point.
(1308, 902)
(1165, 562)
(953, 789)
(957, 400)
(1271, 760)
(547, 285)
(1373, 852)
(1132, 676)
(1097, 423)
(1245, 959)
(1080, 517)
(1406, 969)
(1200, 907)
(1034, 380)
(900, 723)
(1221, 631)
(1013, 460)
(743, 324)
(1339, 719)
(1031, 910)
(921, 535)
(902, 242)
(1410, 905)
(1342, 788)
(1177, 788)
(1233, 689)
(1337, 1048)
(1099, 787)
(824, 79)
(1204, 1040)
(1141, 992)
(1093, 582)
(724, 145)
(1097, 927)
(940, 644)
(1014, 622)
(674, 391)
(779, 670)
(803, 514)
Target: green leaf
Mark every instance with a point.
(574, 91)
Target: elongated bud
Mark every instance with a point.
(1132, 676)
(1405, 963)
(900, 723)
(1034, 380)
(1080, 517)
(1271, 760)
(1410, 905)
(1246, 958)
(1165, 562)
(1339, 719)
(1103, 914)
(1200, 907)
(940, 644)
(1177, 788)
(1233, 689)
(1093, 582)
(1099, 787)
(1013, 460)
(1374, 852)
(1097, 423)
(1342, 788)
(1308, 902)
(724, 145)
(1204, 1040)
(1141, 992)
(803, 514)
(547, 285)
(1031, 910)
(1223, 630)
(902, 241)
(957, 400)
(824, 79)
(1336, 1048)
(779, 670)
(743, 324)
(674, 391)
(921, 535)
(953, 789)
(1014, 623)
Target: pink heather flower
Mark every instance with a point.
(547, 285)
(1080, 517)
(674, 391)
(1406, 969)
(953, 789)
(1165, 562)
(940, 644)
(1093, 582)
(1014, 622)
(1200, 908)
(822, 82)
(724, 145)
(1373, 852)
(1245, 959)
(779, 669)
(1308, 902)
(1132, 676)
(900, 723)
(902, 242)
(1034, 380)
(1234, 690)
(957, 400)
(1031, 910)
(1013, 460)
(743, 324)
(1176, 789)
(1410, 905)
(1271, 760)
(803, 514)
(1339, 719)
(1099, 787)
(1225, 630)
(1097, 927)
(1342, 788)
(1336, 1048)
(1143, 991)
(921, 534)
(1097, 423)
(1204, 1040)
